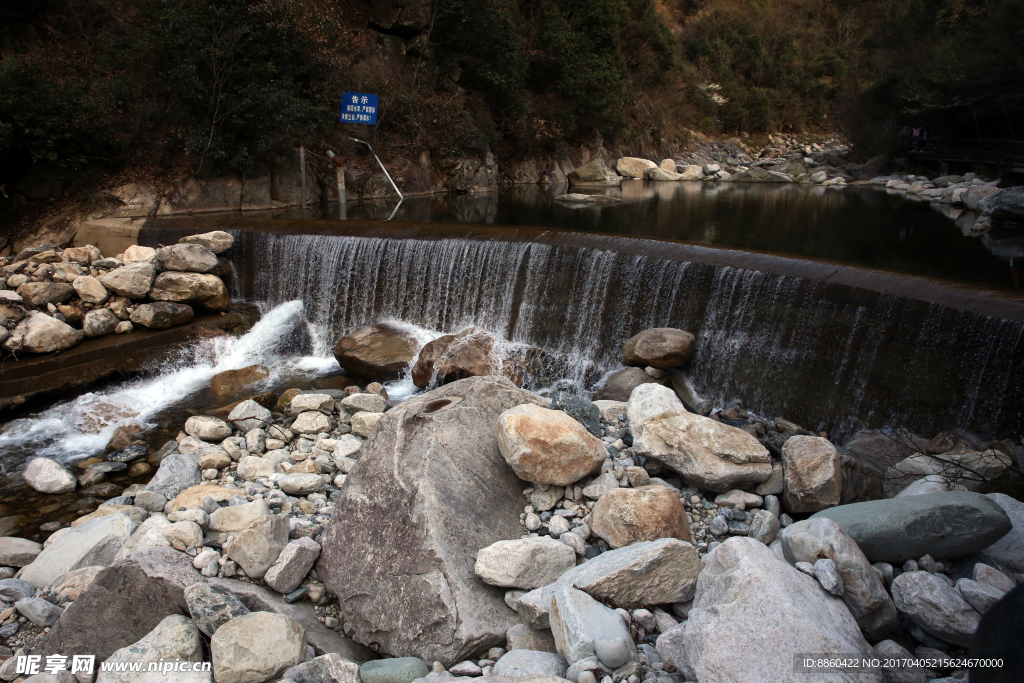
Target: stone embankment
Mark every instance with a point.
(480, 530)
(52, 299)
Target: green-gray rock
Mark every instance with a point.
(944, 525)
(397, 670)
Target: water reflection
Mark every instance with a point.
(864, 226)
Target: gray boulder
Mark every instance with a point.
(936, 607)
(1008, 205)
(752, 612)
(38, 611)
(161, 315)
(256, 547)
(13, 590)
(530, 663)
(217, 241)
(583, 627)
(944, 525)
(48, 476)
(99, 322)
(525, 563)
(651, 573)
(322, 639)
(292, 565)
(259, 646)
(93, 543)
(329, 668)
(176, 473)
(708, 454)
(18, 552)
(124, 603)
(212, 607)
(863, 592)
(812, 476)
(594, 174)
(249, 415)
(395, 670)
(893, 652)
(416, 593)
(1008, 552)
(133, 280)
(187, 258)
(175, 638)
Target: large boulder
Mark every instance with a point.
(292, 565)
(124, 603)
(256, 547)
(621, 383)
(524, 563)
(256, 647)
(812, 475)
(231, 382)
(594, 174)
(708, 454)
(322, 639)
(41, 293)
(625, 516)
(633, 167)
(863, 591)
(187, 258)
(971, 470)
(161, 315)
(212, 607)
(519, 663)
(217, 241)
(1008, 205)
(99, 323)
(403, 579)
(176, 473)
(133, 280)
(202, 289)
(583, 628)
(377, 352)
(329, 668)
(39, 333)
(944, 525)
(658, 173)
(175, 639)
(48, 476)
(1007, 553)
(647, 573)
(659, 347)
(547, 446)
(90, 290)
(93, 543)
(18, 552)
(936, 607)
(752, 613)
(470, 353)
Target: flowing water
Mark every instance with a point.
(826, 355)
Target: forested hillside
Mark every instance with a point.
(96, 88)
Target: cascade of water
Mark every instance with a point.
(828, 356)
(84, 425)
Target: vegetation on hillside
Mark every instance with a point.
(90, 88)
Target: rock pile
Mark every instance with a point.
(974, 203)
(495, 533)
(51, 299)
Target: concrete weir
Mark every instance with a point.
(827, 345)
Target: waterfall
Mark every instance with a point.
(829, 356)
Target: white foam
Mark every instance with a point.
(74, 429)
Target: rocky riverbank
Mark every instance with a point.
(51, 299)
(481, 530)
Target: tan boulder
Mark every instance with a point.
(594, 174)
(204, 289)
(376, 352)
(133, 280)
(708, 454)
(547, 446)
(659, 347)
(659, 173)
(470, 353)
(192, 497)
(812, 475)
(633, 167)
(90, 290)
(39, 333)
(625, 516)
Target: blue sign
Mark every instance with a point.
(357, 107)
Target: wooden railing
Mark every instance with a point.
(1006, 155)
